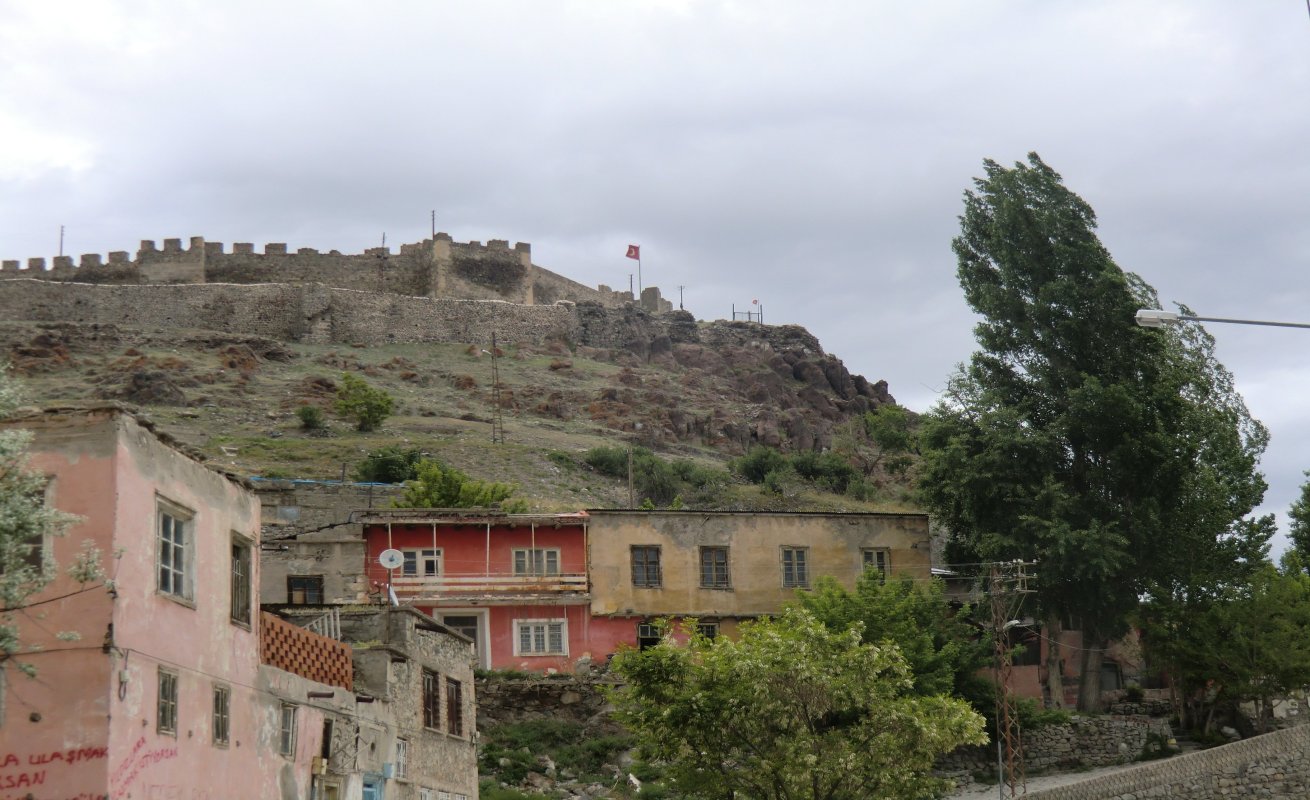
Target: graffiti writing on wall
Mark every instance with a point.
(137, 760)
(30, 770)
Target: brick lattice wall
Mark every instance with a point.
(1274, 765)
(305, 653)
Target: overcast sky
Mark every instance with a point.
(808, 155)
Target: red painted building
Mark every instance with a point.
(515, 583)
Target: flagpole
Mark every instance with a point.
(639, 269)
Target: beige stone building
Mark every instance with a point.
(721, 566)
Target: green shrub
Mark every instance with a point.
(366, 405)
(311, 417)
(389, 465)
(758, 463)
(490, 790)
(828, 471)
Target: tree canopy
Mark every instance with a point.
(789, 710)
(942, 650)
(26, 522)
(1122, 459)
(436, 485)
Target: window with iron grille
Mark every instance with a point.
(431, 700)
(454, 708)
(222, 715)
(646, 565)
(166, 716)
(714, 567)
(402, 757)
(541, 637)
(795, 567)
(240, 580)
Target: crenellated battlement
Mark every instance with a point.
(435, 267)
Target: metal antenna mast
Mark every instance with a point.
(497, 414)
(1008, 583)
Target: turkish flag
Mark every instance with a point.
(634, 252)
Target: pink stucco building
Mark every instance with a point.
(149, 683)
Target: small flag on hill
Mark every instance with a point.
(634, 252)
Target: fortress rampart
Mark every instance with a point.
(434, 268)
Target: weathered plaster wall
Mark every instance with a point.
(755, 541)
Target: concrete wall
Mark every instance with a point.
(1274, 765)
(835, 543)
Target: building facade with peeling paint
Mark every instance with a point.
(152, 683)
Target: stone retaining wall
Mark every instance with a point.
(1080, 743)
(503, 700)
(1274, 765)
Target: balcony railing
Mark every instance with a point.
(481, 585)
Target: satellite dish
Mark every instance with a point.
(390, 559)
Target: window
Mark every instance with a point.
(541, 637)
(459, 796)
(286, 735)
(646, 565)
(305, 590)
(402, 755)
(536, 562)
(166, 721)
(648, 635)
(879, 559)
(714, 567)
(454, 708)
(325, 748)
(240, 580)
(174, 556)
(709, 630)
(222, 715)
(331, 791)
(443, 795)
(431, 700)
(421, 563)
(425, 794)
(795, 567)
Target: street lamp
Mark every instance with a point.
(1155, 318)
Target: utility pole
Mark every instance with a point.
(680, 288)
(61, 240)
(497, 414)
(434, 224)
(1008, 582)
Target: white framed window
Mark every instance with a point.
(286, 736)
(536, 561)
(425, 793)
(879, 558)
(174, 550)
(795, 567)
(421, 563)
(541, 637)
(443, 795)
(402, 757)
(166, 715)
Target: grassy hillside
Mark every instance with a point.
(234, 399)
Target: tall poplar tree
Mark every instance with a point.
(1120, 458)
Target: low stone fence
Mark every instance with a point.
(509, 699)
(1273, 765)
(1080, 743)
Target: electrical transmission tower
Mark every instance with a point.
(1008, 583)
(497, 413)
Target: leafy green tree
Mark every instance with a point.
(389, 464)
(439, 486)
(367, 405)
(942, 649)
(1251, 643)
(25, 522)
(1120, 458)
(789, 710)
(882, 439)
(1299, 528)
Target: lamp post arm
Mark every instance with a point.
(1246, 321)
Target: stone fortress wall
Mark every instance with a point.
(434, 268)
